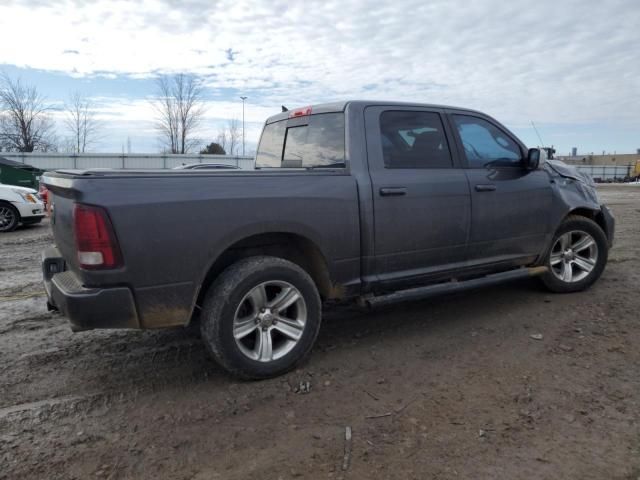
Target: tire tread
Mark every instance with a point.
(217, 299)
(555, 285)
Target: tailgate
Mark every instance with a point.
(62, 200)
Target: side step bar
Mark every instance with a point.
(449, 287)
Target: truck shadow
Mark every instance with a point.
(444, 314)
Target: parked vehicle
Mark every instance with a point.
(206, 166)
(19, 205)
(366, 201)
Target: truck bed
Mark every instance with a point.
(172, 225)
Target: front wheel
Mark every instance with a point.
(9, 217)
(261, 317)
(577, 256)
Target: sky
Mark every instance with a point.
(571, 67)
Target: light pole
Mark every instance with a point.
(243, 99)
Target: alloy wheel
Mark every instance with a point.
(7, 217)
(573, 256)
(269, 321)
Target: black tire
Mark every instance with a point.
(11, 216)
(226, 296)
(577, 223)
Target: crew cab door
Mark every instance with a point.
(510, 205)
(420, 194)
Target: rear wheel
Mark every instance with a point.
(261, 317)
(577, 256)
(9, 217)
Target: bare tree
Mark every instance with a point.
(25, 123)
(81, 122)
(179, 110)
(234, 136)
(230, 137)
(221, 139)
(67, 145)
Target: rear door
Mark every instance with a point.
(510, 205)
(420, 194)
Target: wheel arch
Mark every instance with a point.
(7, 202)
(294, 247)
(592, 214)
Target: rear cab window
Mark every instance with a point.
(314, 141)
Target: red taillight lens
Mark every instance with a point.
(95, 240)
(300, 112)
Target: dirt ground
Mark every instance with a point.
(454, 387)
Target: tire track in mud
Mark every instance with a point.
(28, 323)
(118, 370)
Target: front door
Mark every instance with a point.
(421, 195)
(510, 205)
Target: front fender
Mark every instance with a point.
(570, 196)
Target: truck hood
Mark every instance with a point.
(568, 171)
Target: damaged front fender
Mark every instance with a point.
(575, 192)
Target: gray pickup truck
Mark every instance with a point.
(351, 201)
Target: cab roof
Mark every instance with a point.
(342, 105)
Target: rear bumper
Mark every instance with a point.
(86, 308)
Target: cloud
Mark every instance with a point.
(231, 55)
(564, 62)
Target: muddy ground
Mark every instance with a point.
(449, 388)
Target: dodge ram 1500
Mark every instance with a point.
(368, 201)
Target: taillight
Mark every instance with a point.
(300, 112)
(95, 239)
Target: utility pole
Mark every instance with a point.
(243, 99)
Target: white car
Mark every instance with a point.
(19, 205)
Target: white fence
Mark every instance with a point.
(53, 161)
(606, 172)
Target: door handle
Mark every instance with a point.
(393, 191)
(485, 188)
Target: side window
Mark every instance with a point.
(485, 144)
(319, 143)
(414, 140)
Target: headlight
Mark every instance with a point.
(27, 197)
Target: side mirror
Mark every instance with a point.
(533, 160)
